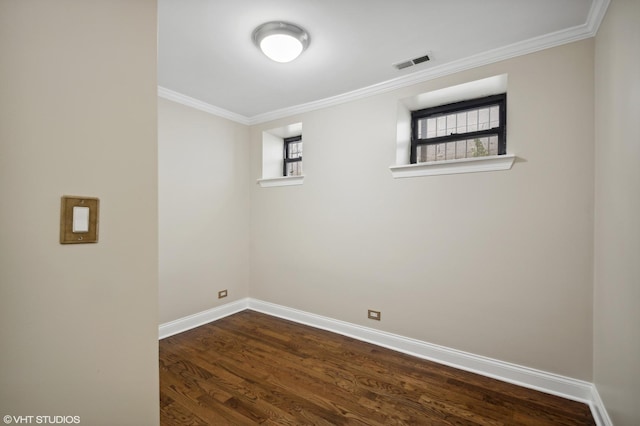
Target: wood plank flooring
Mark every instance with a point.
(251, 368)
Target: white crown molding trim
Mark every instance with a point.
(569, 35)
(596, 15)
(485, 58)
(555, 384)
(196, 320)
(202, 106)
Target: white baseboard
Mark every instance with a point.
(196, 320)
(554, 384)
(566, 387)
(598, 409)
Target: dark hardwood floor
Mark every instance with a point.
(251, 368)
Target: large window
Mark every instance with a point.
(292, 164)
(473, 128)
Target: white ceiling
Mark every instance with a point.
(206, 52)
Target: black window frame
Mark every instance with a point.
(286, 159)
(456, 107)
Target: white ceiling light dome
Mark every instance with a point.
(281, 41)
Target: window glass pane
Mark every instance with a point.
(431, 153)
(493, 145)
(295, 150)
(472, 120)
(494, 116)
(431, 128)
(461, 125)
(441, 126)
(451, 151)
(470, 146)
(485, 146)
(479, 147)
(461, 149)
(451, 123)
(294, 168)
(483, 119)
(422, 128)
(465, 148)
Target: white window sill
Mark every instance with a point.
(281, 181)
(448, 167)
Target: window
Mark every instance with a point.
(278, 158)
(292, 164)
(413, 115)
(473, 128)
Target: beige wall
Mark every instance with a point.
(617, 213)
(204, 210)
(78, 117)
(497, 264)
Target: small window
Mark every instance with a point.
(473, 128)
(292, 164)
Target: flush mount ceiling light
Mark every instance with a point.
(281, 41)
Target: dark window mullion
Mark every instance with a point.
(502, 137)
(458, 107)
(459, 136)
(286, 159)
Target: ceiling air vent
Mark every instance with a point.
(411, 62)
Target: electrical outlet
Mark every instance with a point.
(222, 293)
(374, 315)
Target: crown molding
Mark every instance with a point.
(569, 35)
(174, 96)
(596, 15)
